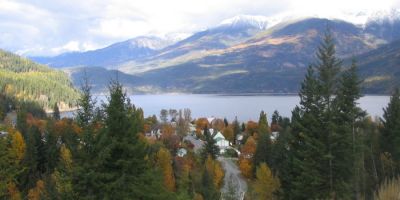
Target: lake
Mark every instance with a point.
(245, 107)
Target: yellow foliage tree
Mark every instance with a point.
(197, 196)
(164, 161)
(266, 184)
(246, 157)
(390, 189)
(13, 192)
(214, 168)
(17, 146)
(249, 148)
(38, 192)
(66, 158)
(228, 133)
(245, 167)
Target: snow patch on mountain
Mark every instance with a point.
(260, 22)
(383, 16)
(150, 42)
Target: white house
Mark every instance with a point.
(3, 133)
(222, 143)
(181, 152)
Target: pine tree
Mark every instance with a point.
(34, 159)
(86, 105)
(209, 148)
(347, 145)
(263, 152)
(323, 145)
(328, 69)
(208, 189)
(83, 181)
(390, 140)
(307, 152)
(121, 169)
(236, 130)
(56, 112)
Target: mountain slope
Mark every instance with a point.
(273, 61)
(380, 68)
(247, 54)
(384, 25)
(116, 53)
(99, 78)
(26, 80)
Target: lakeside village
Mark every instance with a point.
(224, 134)
(186, 139)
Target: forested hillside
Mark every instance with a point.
(28, 81)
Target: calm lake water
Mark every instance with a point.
(245, 107)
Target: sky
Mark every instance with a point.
(51, 27)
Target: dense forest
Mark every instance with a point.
(329, 148)
(25, 80)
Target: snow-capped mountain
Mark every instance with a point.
(118, 52)
(260, 22)
(150, 42)
(384, 25)
(385, 16)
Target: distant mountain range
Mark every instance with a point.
(132, 49)
(242, 54)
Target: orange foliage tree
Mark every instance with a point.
(13, 192)
(246, 157)
(218, 124)
(38, 192)
(228, 133)
(201, 123)
(251, 127)
(164, 162)
(214, 168)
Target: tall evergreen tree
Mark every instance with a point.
(83, 181)
(347, 145)
(86, 105)
(208, 189)
(122, 171)
(34, 160)
(209, 148)
(323, 145)
(263, 152)
(390, 140)
(236, 130)
(56, 112)
(328, 69)
(306, 153)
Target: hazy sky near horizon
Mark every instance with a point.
(49, 27)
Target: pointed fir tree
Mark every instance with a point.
(208, 189)
(210, 147)
(122, 170)
(307, 152)
(56, 112)
(320, 142)
(390, 139)
(83, 181)
(263, 152)
(347, 145)
(236, 130)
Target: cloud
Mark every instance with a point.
(49, 27)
